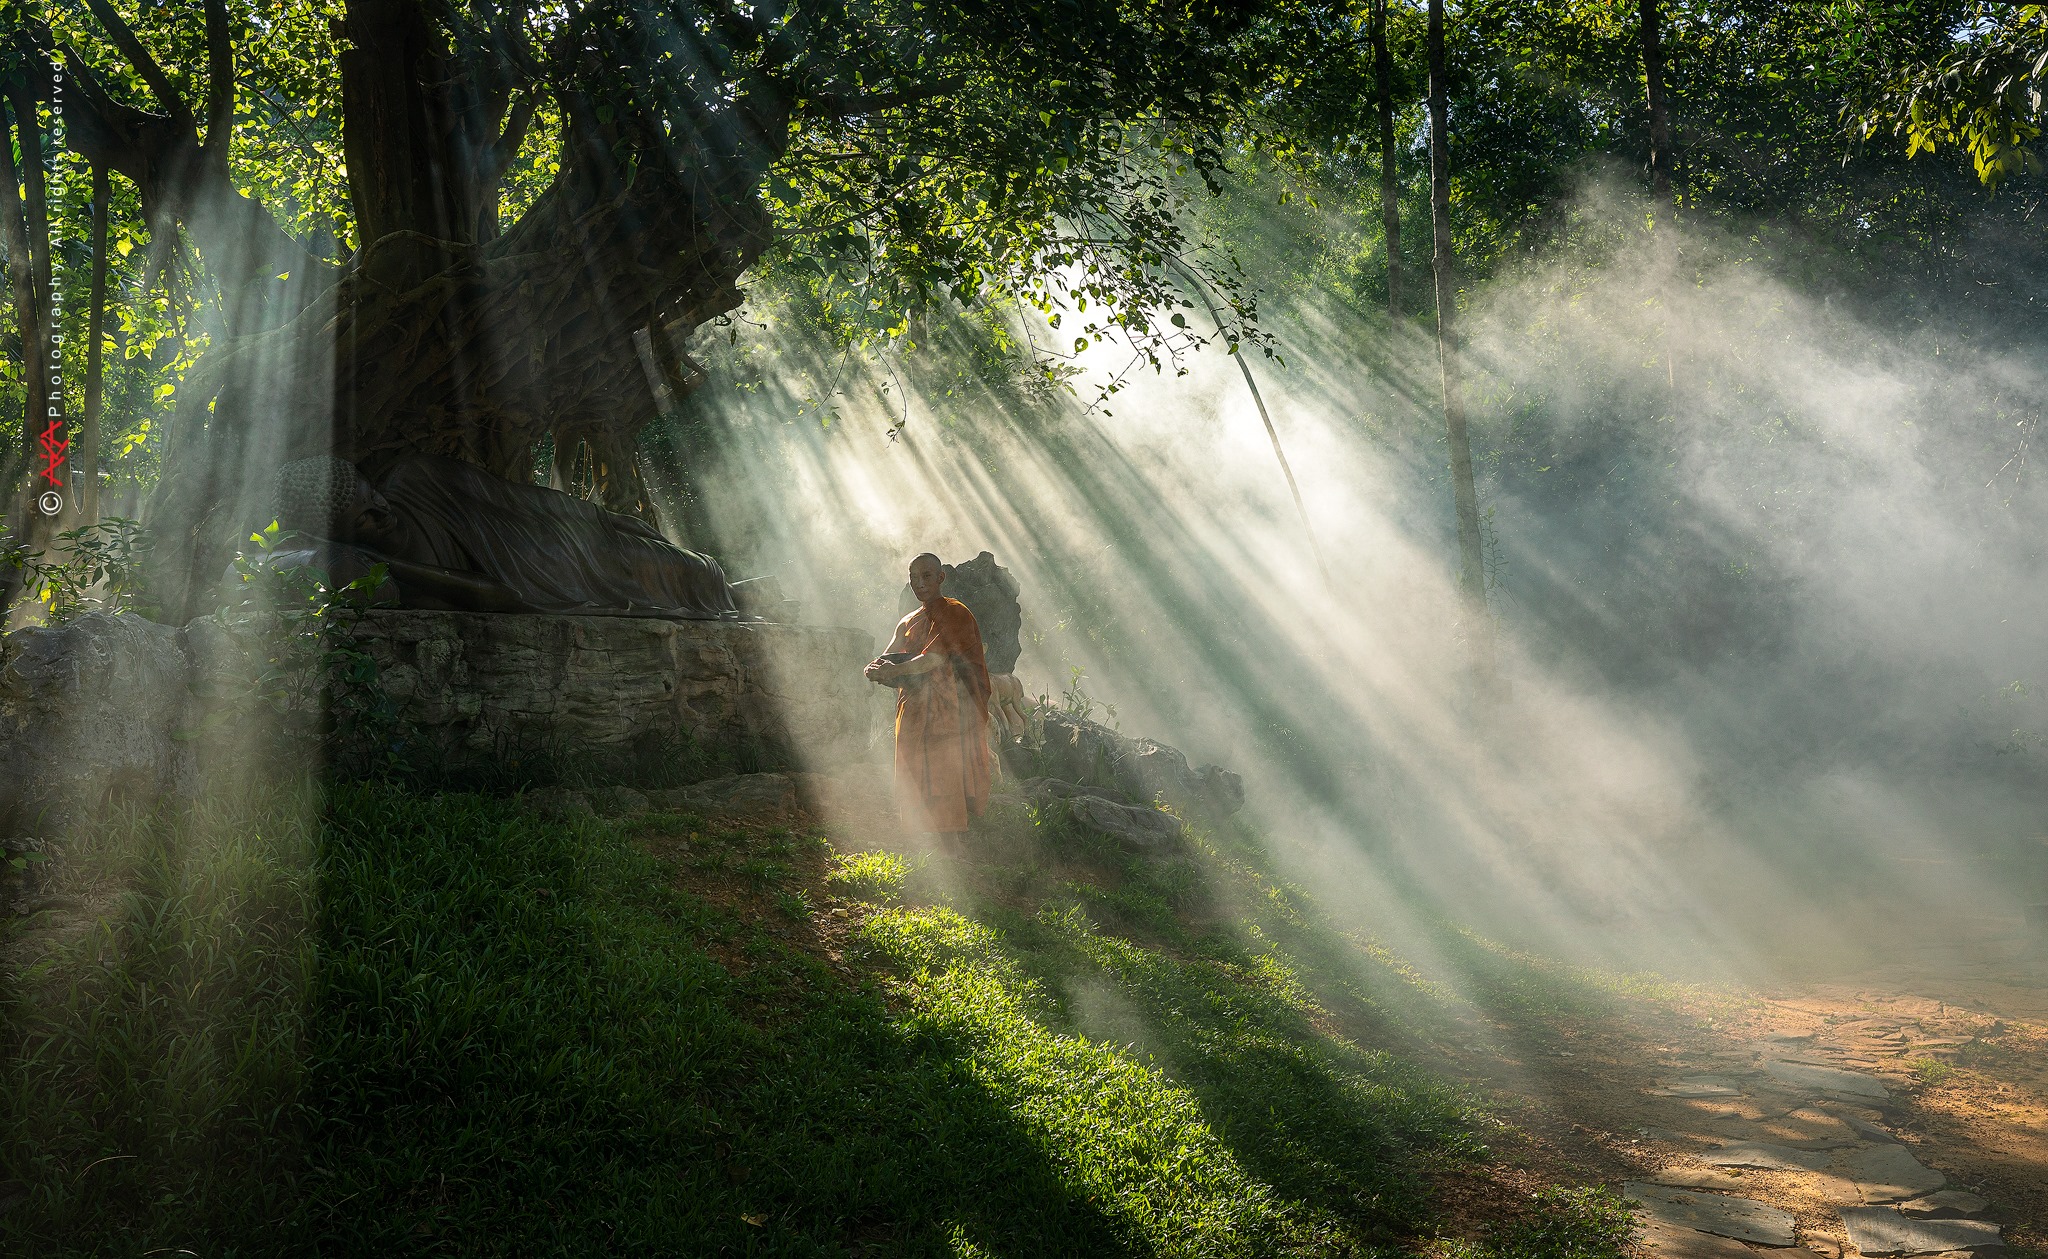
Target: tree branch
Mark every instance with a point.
(138, 56)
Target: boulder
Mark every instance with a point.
(1137, 827)
(1082, 751)
(89, 711)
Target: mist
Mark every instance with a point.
(1766, 569)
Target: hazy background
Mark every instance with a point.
(1766, 561)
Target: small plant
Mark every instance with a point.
(869, 876)
(96, 568)
(1931, 1070)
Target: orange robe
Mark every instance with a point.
(942, 756)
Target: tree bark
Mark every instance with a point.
(1649, 28)
(1471, 555)
(85, 454)
(31, 307)
(26, 221)
(439, 334)
(1390, 184)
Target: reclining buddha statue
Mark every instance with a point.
(454, 537)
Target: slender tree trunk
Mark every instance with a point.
(1471, 556)
(1390, 183)
(26, 221)
(1649, 28)
(31, 310)
(85, 457)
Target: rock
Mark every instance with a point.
(1698, 1086)
(1826, 1079)
(740, 797)
(88, 711)
(1764, 1154)
(1141, 829)
(1883, 1231)
(1081, 751)
(1668, 1241)
(1860, 1125)
(560, 803)
(1695, 1178)
(1888, 1173)
(1949, 1204)
(617, 802)
(990, 592)
(1744, 1219)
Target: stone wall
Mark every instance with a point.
(110, 705)
(475, 680)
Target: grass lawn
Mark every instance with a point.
(374, 1023)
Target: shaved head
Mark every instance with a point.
(927, 575)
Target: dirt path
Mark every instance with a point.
(1899, 1114)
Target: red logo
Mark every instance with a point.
(54, 444)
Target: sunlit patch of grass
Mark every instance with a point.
(868, 876)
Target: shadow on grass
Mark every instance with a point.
(458, 1029)
(371, 1022)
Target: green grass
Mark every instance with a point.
(380, 1024)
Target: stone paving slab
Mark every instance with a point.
(1782, 1158)
(1888, 1173)
(1698, 1086)
(1744, 1219)
(1666, 1241)
(1696, 1178)
(1949, 1204)
(1883, 1231)
(1827, 1079)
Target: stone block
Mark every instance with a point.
(615, 685)
(88, 711)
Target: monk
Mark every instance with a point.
(942, 756)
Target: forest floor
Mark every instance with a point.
(382, 1023)
(1717, 1105)
(1933, 1076)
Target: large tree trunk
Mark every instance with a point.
(1390, 183)
(1471, 554)
(439, 334)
